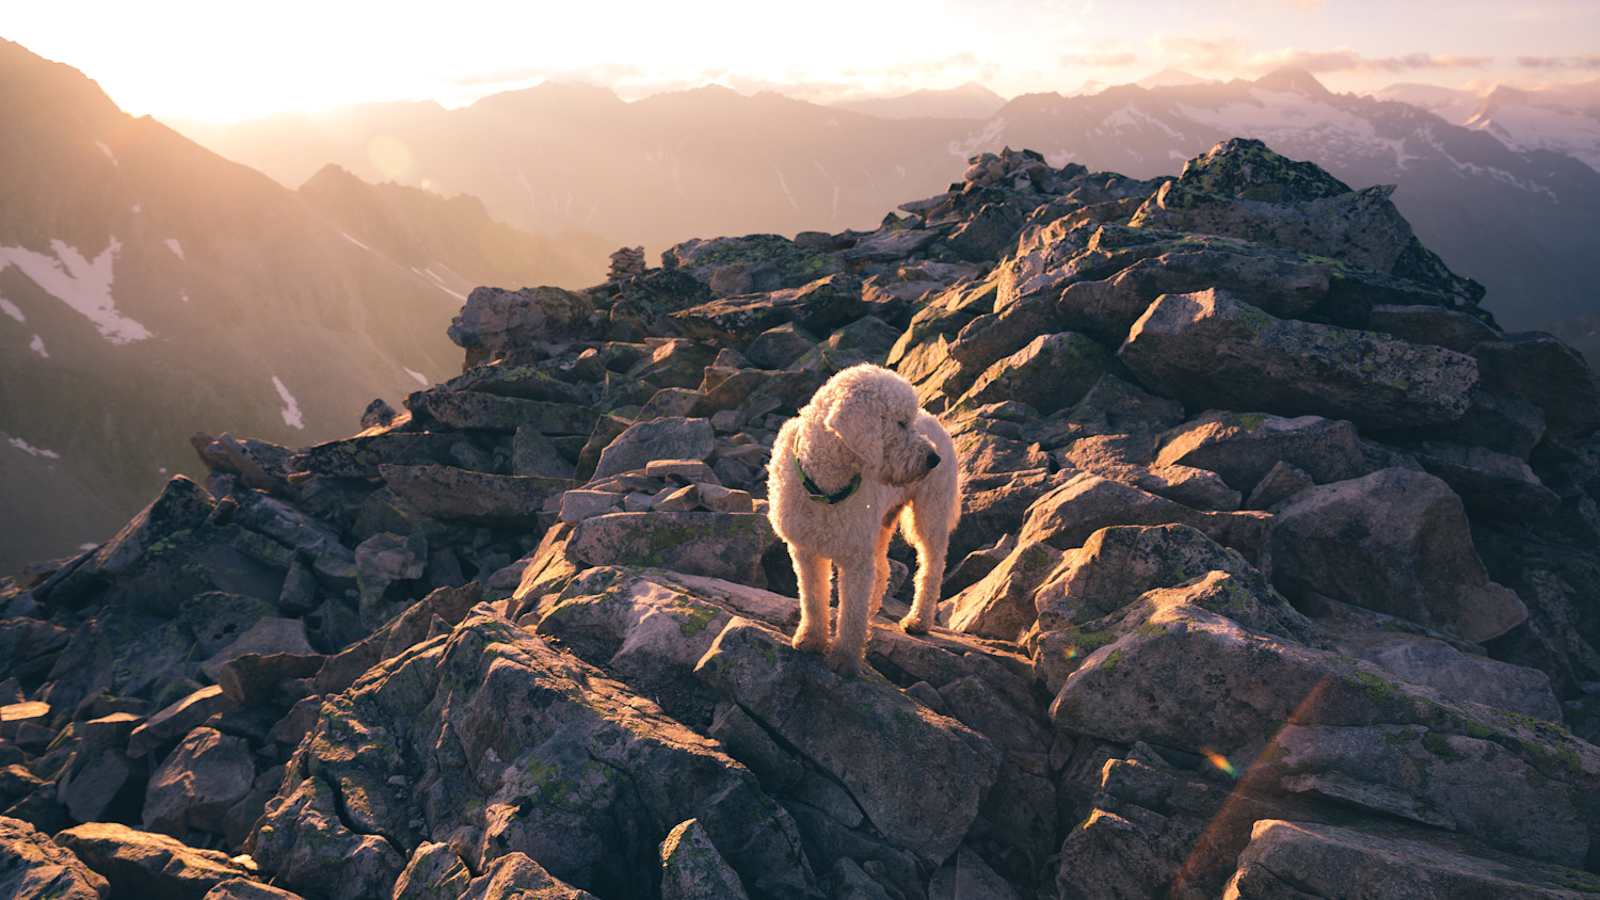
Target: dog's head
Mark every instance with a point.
(873, 412)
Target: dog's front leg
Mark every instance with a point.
(849, 648)
(815, 574)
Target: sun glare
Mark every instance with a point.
(231, 61)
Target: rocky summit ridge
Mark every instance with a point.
(1276, 577)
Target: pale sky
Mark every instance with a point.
(225, 60)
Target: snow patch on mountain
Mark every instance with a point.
(1530, 127)
(175, 247)
(1279, 115)
(421, 378)
(30, 449)
(12, 310)
(784, 184)
(980, 140)
(1128, 117)
(347, 236)
(438, 281)
(291, 407)
(37, 346)
(80, 283)
(107, 151)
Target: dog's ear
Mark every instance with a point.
(855, 422)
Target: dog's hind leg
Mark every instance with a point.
(815, 574)
(856, 577)
(929, 532)
(880, 580)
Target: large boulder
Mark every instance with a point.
(1459, 782)
(779, 346)
(1000, 605)
(752, 262)
(1239, 188)
(649, 628)
(198, 783)
(1312, 859)
(437, 873)
(1118, 564)
(32, 865)
(1490, 483)
(818, 307)
(1210, 349)
(992, 504)
(151, 865)
(692, 869)
(530, 382)
(358, 456)
(169, 725)
(1539, 369)
(465, 495)
(861, 731)
(1423, 324)
(494, 742)
(494, 321)
(429, 617)
(1113, 406)
(1244, 447)
(478, 411)
(245, 889)
(721, 545)
(302, 840)
(1175, 670)
(1052, 371)
(1066, 516)
(1454, 669)
(1396, 541)
(182, 506)
(673, 437)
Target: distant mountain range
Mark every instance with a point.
(969, 101)
(1524, 222)
(1499, 203)
(654, 171)
(1562, 120)
(150, 288)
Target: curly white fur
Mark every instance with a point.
(865, 421)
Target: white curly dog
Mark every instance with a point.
(861, 457)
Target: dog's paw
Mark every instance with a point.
(813, 642)
(843, 664)
(912, 624)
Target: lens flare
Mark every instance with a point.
(1221, 762)
(390, 157)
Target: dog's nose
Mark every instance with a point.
(933, 460)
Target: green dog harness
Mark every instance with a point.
(818, 494)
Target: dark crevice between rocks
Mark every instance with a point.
(346, 820)
(813, 766)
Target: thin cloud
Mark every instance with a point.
(1200, 53)
(921, 68)
(1110, 59)
(603, 74)
(1346, 60)
(1587, 62)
